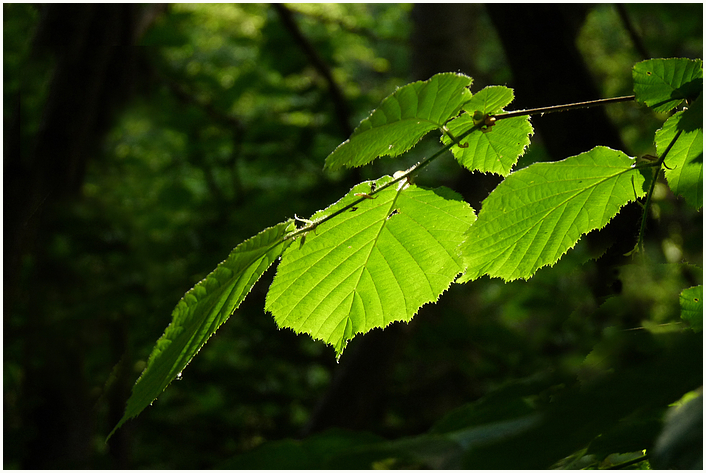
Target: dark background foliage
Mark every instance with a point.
(143, 142)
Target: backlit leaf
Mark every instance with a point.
(371, 266)
(499, 147)
(663, 84)
(685, 160)
(202, 310)
(491, 99)
(496, 150)
(402, 119)
(536, 214)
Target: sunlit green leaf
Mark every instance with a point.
(372, 265)
(403, 119)
(495, 149)
(663, 84)
(692, 307)
(685, 160)
(536, 214)
(491, 99)
(202, 310)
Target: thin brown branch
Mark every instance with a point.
(396, 178)
(562, 108)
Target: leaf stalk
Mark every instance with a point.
(640, 246)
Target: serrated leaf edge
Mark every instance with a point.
(465, 278)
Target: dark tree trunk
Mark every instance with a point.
(547, 67)
(91, 49)
(442, 40)
(94, 64)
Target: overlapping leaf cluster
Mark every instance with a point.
(373, 265)
(666, 84)
(388, 247)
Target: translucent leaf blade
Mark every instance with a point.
(402, 119)
(202, 311)
(538, 213)
(497, 149)
(663, 84)
(685, 160)
(491, 99)
(372, 266)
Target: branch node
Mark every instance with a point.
(453, 138)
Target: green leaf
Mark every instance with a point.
(507, 402)
(642, 377)
(693, 118)
(373, 264)
(663, 84)
(498, 148)
(692, 308)
(630, 435)
(491, 99)
(536, 214)
(429, 451)
(680, 444)
(202, 310)
(403, 119)
(685, 160)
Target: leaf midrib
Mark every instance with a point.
(363, 266)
